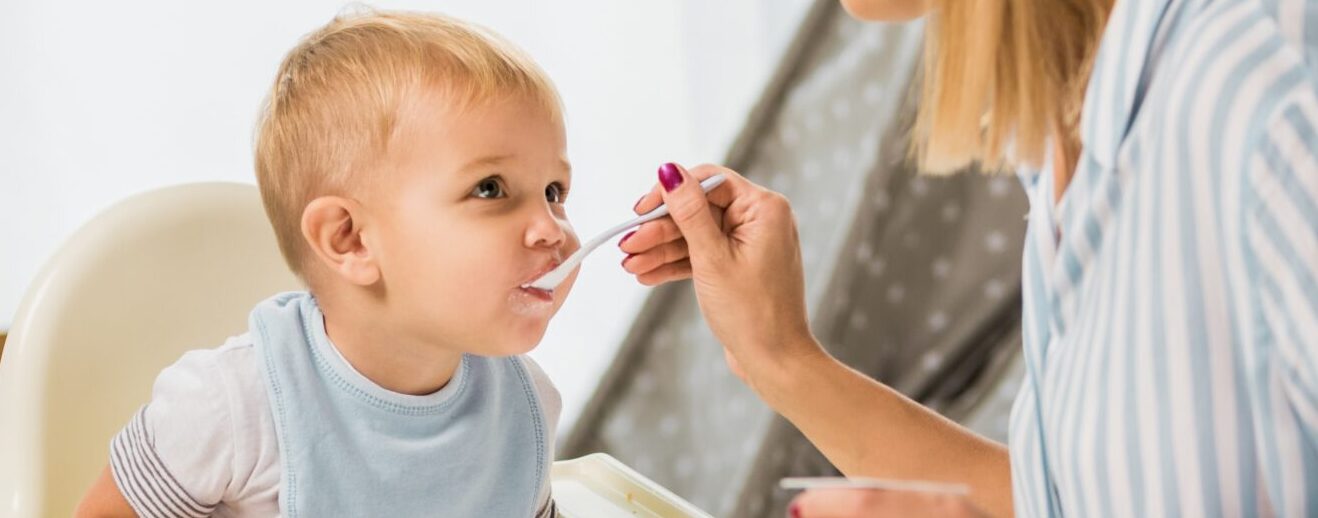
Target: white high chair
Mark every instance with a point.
(151, 277)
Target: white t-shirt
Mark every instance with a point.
(206, 446)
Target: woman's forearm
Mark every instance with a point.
(868, 429)
(748, 277)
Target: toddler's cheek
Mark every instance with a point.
(562, 291)
(572, 240)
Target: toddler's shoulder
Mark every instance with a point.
(204, 426)
(544, 387)
(551, 402)
(214, 381)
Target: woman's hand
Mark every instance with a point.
(740, 245)
(875, 503)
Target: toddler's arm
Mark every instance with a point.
(175, 456)
(104, 500)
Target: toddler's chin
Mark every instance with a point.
(512, 346)
(515, 339)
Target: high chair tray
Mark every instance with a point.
(599, 486)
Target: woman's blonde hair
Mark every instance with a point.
(336, 102)
(1003, 79)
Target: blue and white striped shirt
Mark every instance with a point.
(1171, 296)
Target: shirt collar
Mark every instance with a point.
(1113, 94)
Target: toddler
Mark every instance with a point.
(413, 167)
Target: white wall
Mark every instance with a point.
(101, 100)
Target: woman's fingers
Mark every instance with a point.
(876, 503)
(667, 273)
(742, 249)
(688, 206)
(655, 257)
(836, 503)
(650, 235)
(733, 186)
(649, 201)
(656, 233)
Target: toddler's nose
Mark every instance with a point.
(546, 231)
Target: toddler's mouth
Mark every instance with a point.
(546, 295)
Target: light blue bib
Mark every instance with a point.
(349, 447)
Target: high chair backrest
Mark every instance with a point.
(151, 277)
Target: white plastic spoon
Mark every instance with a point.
(553, 278)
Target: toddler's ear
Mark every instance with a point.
(332, 227)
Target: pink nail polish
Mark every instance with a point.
(624, 237)
(637, 205)
(670, 176)
(794, 510)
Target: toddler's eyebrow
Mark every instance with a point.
(482, 162)
(486, 161)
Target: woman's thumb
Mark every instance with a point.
(689, 208)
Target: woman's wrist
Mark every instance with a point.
(789, 371)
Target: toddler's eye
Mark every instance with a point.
(555, 193)
(489, 188)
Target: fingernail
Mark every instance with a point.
(669, 176)
(624, 260)
(624, 237)
(637, 206)
(794, 510)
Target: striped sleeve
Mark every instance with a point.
(143, 478)
(1282, 236)
(548, 510)
(175, 458)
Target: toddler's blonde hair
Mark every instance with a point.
(336, 102)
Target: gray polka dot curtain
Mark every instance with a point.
(913, 280)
